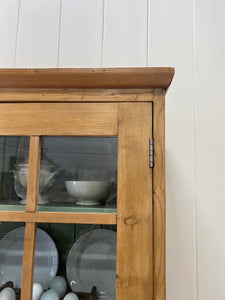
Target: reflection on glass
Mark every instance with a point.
(11, 254)
(14, 153)
(86, 260)
(78, 174)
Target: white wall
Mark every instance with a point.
(189, 35)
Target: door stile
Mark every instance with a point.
(28, 261)
(134, 211)
(33, 174)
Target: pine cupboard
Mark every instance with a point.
(60, 127)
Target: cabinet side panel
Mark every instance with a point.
(134, 213)
(159, 197)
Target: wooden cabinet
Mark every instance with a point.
(72, 110)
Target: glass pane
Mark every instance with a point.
(14, 153)
(78, 174)
(76, 258)
(11, 255)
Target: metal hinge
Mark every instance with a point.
(151, 153)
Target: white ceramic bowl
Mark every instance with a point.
(88, 192)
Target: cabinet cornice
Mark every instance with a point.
(87, 78)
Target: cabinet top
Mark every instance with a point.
(87, 78)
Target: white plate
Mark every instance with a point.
(11, 257)
(92, 262)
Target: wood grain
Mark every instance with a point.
(59, 119)
(33, 174)
(87, 78)
(77, 95)
(28, 261)
(134, 212)
(58, 217)
(159, 198)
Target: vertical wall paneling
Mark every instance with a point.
(59, 36)
(81, 33)
(91, 33)
(125, 33)
(210, 147)
(38, 31)
(8, 28)
(171, 44)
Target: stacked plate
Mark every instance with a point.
(92, 262)
(11, 258)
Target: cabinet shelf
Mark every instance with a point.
(79, 209)
(12, 207)
(61, 208)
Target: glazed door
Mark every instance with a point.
(73, 148)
